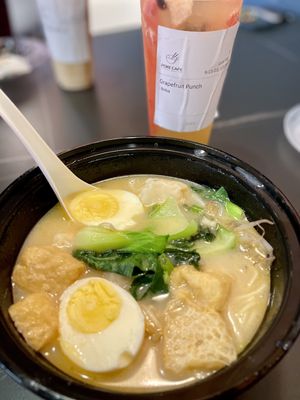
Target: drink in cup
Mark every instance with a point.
(65, 24)
(187, 48)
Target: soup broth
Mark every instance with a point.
(239, 261)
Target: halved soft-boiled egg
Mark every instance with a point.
(117, 207)
(101, 325)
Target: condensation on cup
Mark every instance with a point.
(187, 48)
(65, 25)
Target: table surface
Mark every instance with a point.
(262, 84)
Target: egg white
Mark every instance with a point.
(110, 349)
(128, 204)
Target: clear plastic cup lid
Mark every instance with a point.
(291, 126)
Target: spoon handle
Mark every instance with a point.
(61, 179)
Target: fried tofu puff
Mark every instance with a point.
(209, 289)
(46, 269)
(195, 333)
(36, 318)
(195, 338)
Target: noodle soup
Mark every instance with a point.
(157, 283)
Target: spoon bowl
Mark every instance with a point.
(63, 182)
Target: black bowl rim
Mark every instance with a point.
(181, 146)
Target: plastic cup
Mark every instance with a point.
(187, 50)
(65, 25)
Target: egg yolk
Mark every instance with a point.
(93, 307)
(89, 206)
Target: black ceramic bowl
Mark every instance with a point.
(30, 197)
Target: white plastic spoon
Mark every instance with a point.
(62, 180)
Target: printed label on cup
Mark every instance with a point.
(191, 69)
(65, 27)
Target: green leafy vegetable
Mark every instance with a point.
(146, 241)
(169, 208)
(220, 195)
(159, 285)
(190, 230)
(103, 239)
(234, 210)
(149, 282)
(188, 244)
(204, 234)
(167, 218)
(100, 239)
(225, 240)
(127, 264)
(180, 257)
(181, 244)
(151, 271)
(166, 266)
(141, 285)
(194, 209)
(212, 194)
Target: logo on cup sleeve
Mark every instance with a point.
(172, 58)
(170, 62)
